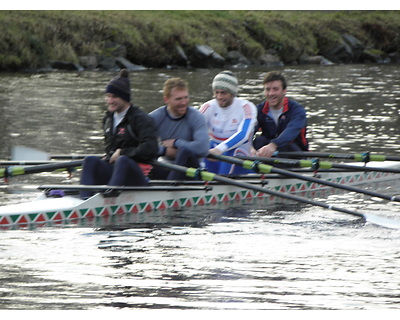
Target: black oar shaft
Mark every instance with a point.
(73, 156)
(14, 171)
(356, 156)
(252, 165)
(6, 163)
(318, 164)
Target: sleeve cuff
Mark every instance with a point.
(162, 150)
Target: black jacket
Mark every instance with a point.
(135, 135)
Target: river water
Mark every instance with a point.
(251, 256)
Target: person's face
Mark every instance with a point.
(274, 93)
(115, 103)
(224, 98)
(177, 102)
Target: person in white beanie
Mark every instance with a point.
(230, 122)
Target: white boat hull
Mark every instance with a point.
(71, 208)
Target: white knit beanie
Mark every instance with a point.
(225, 80)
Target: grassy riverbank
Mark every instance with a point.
(31, 38)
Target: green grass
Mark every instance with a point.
(30, 38)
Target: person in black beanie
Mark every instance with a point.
(130, 141)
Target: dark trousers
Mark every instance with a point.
(184, 157)
(124, 172)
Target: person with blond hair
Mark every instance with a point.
(181, 129)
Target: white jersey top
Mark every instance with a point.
(231, 127)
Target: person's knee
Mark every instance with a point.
(122, 159)
(90, 160)
(124, 163)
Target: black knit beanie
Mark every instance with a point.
(120, 86)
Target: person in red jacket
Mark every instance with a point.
(281, 122)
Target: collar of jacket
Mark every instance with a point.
(265, 109)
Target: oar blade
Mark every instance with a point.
(382, 221)
(21, 153)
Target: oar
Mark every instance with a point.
(17, 170)
(362, 157)
(208, 176)
(73, 156)
(5, 163)
(317, 164)
(264, 168)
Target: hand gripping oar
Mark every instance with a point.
(362, 157)
(14, 171)
(208, 176)
(317, 164)
(264, 168)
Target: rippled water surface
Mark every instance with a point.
(247, 256)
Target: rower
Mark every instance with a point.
(230, 122)
(182, 130)
(282, 122)
(130, 140)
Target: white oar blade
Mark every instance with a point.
(382, 221)
(20, 153)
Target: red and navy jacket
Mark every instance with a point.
(292, 124)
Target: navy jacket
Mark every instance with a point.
(135, 135)
(292, 125)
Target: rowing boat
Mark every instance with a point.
(61, 203)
